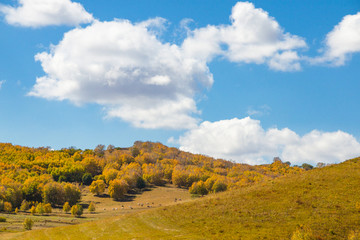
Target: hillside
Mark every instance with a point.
(321, 203)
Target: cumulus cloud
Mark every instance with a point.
(245, 140)
(342, 41)
(252, 37)
(150, 83)
(40, 13)
(124, 67)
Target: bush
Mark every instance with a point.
(66, 207)
(40, 208)
(140, 183)
(33, 210)
(77, 210)
(54, 193)
(198, 188)
(87, 179)
(7, 207)
(219, 186)
(91, 207)
(307, 166)
(118, 188)
(28, 224)
(24, 205)
(2, 219)
(97, 187)
(72, 193)
(47, 208)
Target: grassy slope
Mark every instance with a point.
(322, 199)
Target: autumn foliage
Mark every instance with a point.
(53, 176)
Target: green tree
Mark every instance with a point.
(219, 186)
(47, 208)
(76, 210)
(28, 224)
(198, 188)
(91, 208)
(66, 207)
(87, 179)
(40, 208)
(97, 187)
(54, 193)
(24, 205)
(72, 193)
(307, 166)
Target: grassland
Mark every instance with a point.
(106, 207)
(321, 201)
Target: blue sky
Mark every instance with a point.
(245, 81)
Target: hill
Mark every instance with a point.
(317, 204)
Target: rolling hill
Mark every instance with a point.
(318, 204)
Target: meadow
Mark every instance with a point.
(319, 204)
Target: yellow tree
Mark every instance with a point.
(97, 187)
(118, 188)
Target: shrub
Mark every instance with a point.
(2, 219)
(47, 208)
(66, 207)
(77, 210)
(87, 179)
(7, 207)
(62, 178)
(307, 166)
(97, 187)
(198, 188)
(33, 210)
(118, 188)
(72, 193)
(140, 183)
(91, 207)
(40, 208)
(24, 205)
(219, 186)
(16, 210)
(28, 224)
(54, 193)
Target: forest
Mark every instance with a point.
(33, 178)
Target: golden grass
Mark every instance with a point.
(321, 201)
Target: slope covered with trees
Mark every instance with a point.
(32, 175)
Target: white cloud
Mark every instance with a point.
(244, 140)
(252, 37)
(342, 41)
(40, 13)
(124, 67)
(150, 83)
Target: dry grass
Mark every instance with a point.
(321, 203)
(105, 208)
